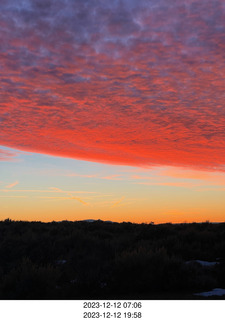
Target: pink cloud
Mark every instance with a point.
(11, 185)
(81, 175)
(171, 184)
(112, 177)
(7, 155)
(207, 177)
(136, 83)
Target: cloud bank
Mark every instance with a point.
(133, 82)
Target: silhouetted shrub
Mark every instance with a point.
(80, 260)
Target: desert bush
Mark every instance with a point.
(29, 281)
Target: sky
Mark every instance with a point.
(112, 110)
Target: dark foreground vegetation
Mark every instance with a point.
(103, 260)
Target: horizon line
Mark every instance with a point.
(109, 221)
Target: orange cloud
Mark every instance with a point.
(12, 185)
(54, 189)
(117, 202)
(82, 175)
(49, 191)
(79, 200)
(13, 197)
(112, 177)
(137, 177)
(212, 178)
(170, 184)
(66, 198)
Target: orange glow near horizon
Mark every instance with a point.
(49, 189)
(120, 216)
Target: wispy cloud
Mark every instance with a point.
(55, 189)
(69, 194)
(6, 155)
(204, 177)
(137, 177)
(181, 177)
(11, 185)
(66, 198)
(112, 177)
(49, 191)
(81, 175)
(79, 200)
(96, 176)
(171, 184)
(117, 202)
(6, 196)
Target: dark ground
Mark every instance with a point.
(103, 260)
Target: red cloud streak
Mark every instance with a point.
(126, 83)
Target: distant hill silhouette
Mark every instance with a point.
(93, 220)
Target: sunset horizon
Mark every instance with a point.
(36, 187)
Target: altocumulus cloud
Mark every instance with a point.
(127, 82)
